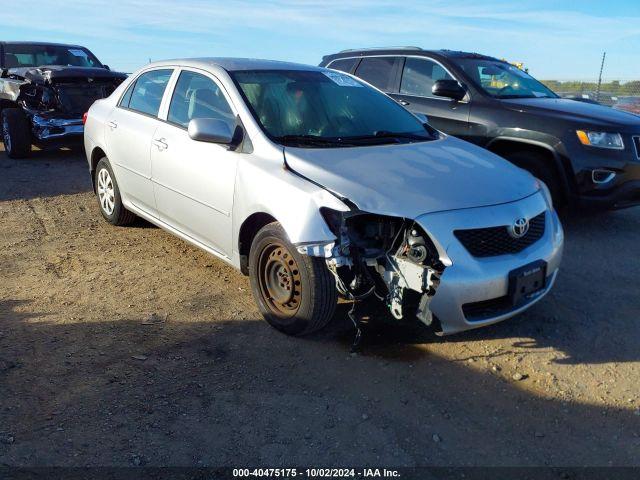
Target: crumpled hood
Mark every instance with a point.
(410, 180)
(574, 110)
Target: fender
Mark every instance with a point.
(547, 142)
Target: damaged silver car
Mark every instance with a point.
(317, 185)
(44, 91)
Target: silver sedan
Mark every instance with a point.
(316, 184)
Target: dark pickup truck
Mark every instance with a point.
(45, 88)
(586, 154)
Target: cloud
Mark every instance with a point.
(316, 27)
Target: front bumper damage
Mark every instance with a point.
(390, 258)
(49, 127)
(432, 276)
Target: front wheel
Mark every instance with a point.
(542, 168)
(16, 133)
(295, 293)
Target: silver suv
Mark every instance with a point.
(316, 185)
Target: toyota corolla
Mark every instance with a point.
(317, 185)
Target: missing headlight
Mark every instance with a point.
(383, 256)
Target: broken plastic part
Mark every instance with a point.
(374, 253)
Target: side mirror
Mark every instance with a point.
(448, 88)
(210, 130)
(106, 67)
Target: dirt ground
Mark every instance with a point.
(126, 346)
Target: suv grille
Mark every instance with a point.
(493, 241)
(636, 142)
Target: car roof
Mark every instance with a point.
(48, 44)
(413, 51)
(235, 64)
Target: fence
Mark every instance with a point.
(623, 95)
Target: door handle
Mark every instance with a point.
(112, 125)
(160, 143)
(403, 102)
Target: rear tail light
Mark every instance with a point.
(84, 117)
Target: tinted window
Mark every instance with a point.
(344, 65)
(147, 93)
(197, 96)
(419, 76)
(377, 71)
(325, 108)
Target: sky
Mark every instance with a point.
(555, 39)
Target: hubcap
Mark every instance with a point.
(5, 135)
(106, 192)
(280, 280)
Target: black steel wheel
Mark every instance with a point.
(295, 293)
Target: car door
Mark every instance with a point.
(418, 77)
(128, 137)
(194, 181)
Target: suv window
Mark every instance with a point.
(419, 76)
(378, 71)
(146, 94)
(197, 96)
(344, 64)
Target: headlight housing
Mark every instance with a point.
(601, 139)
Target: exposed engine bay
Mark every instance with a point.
(54, 98)
(391, 258)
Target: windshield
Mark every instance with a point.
(16, 56)
(325, 109)
(502, 80)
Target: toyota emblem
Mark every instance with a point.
(519, 228)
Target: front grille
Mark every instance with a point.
(493, 241)
(76, 99)
(636, 143)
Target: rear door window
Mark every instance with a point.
(146, 94)
(378, 71)
(419, 76)
(344, 64)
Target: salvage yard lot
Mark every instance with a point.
(127, 346)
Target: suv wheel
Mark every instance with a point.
(16, 133)
(108, 196)
(295, 293)
(539, 166)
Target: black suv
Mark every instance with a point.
(45, 88)
(587, 154)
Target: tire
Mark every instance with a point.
(108, 195)
(540, 167)
(295, 293)
(16, 133)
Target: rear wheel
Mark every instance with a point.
(542, 168)
(16, 133)
(295, 293)
(108, 195)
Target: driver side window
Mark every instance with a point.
(419, 75)
(197, 96)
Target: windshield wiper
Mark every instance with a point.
(309, 140)
(382, 135)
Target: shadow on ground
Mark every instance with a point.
(44, 174)
(122, 392)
